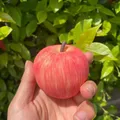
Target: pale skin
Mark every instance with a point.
(31, 103)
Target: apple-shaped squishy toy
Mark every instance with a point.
(60, 70)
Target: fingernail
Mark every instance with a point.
(80, 116)
(26, 64)
(91, 89)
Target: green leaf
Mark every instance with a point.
(50, 27)
(61, 19)
(22, 33)
(31, 27)
(2, 85)
(86, 38)
(105, 10)
(51, 40)
(116, 50)
(30, 43)
(100, 49)
(115, 20)
(41, 5)
(93, 2)
(55, 5)
(25, 53)
(12, 71)
(29, 5)
(81, 27)
(2, 95)
(105, 29)
(63, 37)
(4, 17)
(4, 32)
(112, 109)
(15, 32)
(19, 63)
(10, 96)
(86, 8)
(41, 16)
(107, 69)
(4, 59)
(117, 7)
(16, 47)
(15, 14)
(100, 91)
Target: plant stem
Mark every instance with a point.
(62, 47)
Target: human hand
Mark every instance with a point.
(31, 103)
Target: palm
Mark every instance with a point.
(43, 107)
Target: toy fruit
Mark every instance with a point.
(60, 70)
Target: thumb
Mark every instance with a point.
(26, 88)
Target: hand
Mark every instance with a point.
(31, 103)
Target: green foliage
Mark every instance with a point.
(27, 26)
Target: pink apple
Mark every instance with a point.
(60, 73)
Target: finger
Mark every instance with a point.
(27, 86)
(85, 111)
(89, 56)
(88, 89)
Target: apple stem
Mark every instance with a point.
(62, 47)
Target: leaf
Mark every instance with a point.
(30, 43)
(61, 19)
(3, 86)
(15, 14)
(116, 50)
(55, 5)
(86, 38)
(31, 27)
(51, 40)
(22, 33)
(115, 20)
(100, 91)
(100, 49)
(41, 16)
(117, 7)
(29, 5)
(41, 5)
(16, 47)
(105, 29)
(63, 37)
(81, 27)
(4, 32)
(4, 17)
(15, 32)
(93, 2)
(4, 59)
(19, 63)
(50, 27)
(107, 69)
(10, 96)
(105, 10)
(2, 95)
(25, 53)
(86, 8)
(12, 71)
